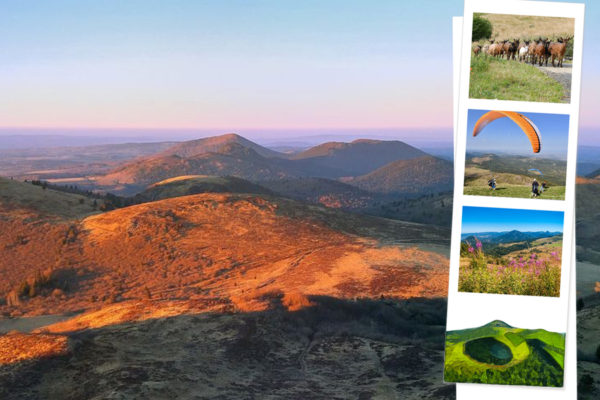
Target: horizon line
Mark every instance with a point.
(219, 128)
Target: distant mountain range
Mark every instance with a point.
(506, 236)
(377, 177)
(373, 166)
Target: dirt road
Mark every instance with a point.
(561, 75)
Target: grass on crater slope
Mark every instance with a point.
(537, 357)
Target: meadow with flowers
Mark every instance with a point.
(529, 268)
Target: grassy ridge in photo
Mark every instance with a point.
(554, 193)
(500, 79)
(514, 176)
(498, 353)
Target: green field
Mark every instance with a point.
(500, 354)
(552, 193)
(493, 78)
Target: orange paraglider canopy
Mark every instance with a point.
(522, 121)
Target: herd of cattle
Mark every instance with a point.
(533, 51)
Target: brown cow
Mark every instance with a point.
(557, 50)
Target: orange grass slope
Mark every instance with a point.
(231, 248)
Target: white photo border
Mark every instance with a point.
(468, 310)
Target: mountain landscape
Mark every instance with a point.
(382, 178)
(496, 238)
(498, 353)
(219, 258)
(514, 175)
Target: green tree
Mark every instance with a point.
(482, 28)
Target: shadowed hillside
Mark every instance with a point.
(332, 349)
(356, 158)
(196, 184)
(231, 159)
(418, 175)
(41, 202)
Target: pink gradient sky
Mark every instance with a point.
(237, 65)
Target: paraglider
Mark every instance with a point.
(535, 170)
(526, 125)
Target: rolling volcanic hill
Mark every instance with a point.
(267, 294)
(501, 354)
(416, 175)
(356, 158)
(231, 159)
(196, 184)
(236, 246)
(232, 155)
(216, 144)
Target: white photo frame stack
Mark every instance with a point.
(466, 310)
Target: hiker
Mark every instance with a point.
(492, 184)
(535, 188)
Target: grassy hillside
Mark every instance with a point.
(500, 79)
(500, 354)
(554, 171)
(227, 245)
(303, 299)
(523, 192)
(433, 209)
(526, 267)
(513, 178)
(195, 184)
(509, 26)
(337, 159)
(417, 175)
(40, 201)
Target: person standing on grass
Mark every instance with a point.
(535, 188)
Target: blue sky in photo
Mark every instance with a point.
(503, 136)
(484, 219)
